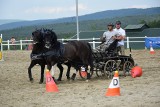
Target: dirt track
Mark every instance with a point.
(17, 91)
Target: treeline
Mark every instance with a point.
(152, 24)
(68, 29)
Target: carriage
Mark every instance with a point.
(108, 61)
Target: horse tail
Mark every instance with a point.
(90, 59)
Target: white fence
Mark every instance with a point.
(92, 41)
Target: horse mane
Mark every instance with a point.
(52, 32)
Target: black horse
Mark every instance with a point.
(37, 56)
(73, 52)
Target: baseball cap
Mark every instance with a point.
(118, 22)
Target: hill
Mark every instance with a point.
(68, 29)
(6, 21)
(93, 16)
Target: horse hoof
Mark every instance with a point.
(40, 82)
(88, 76)
(59, 80)
(68, 78)
(31, 80)
(54, 80)
(73, 76)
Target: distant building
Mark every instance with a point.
(136, 28)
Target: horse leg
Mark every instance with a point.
(90, 63)
(88, 74)
(86, 63)
(74, 74)
(90, 60)
(49, 66)
(29, 70)
(61, 71)
(42, 73)
(68, 71)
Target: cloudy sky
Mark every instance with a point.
(51, 9)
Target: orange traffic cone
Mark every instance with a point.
(114, 87)
(50, 84)
(152, 50)
(83, 72)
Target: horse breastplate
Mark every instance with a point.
(36, 56)
(56, 52)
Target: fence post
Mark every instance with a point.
(62, 40)
(1, 46)
(94, 46)
(21, 44)
(8, 44)
(77, 39)
(1, 43)
(144, 40)
(127, 42)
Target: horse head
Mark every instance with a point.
(50, 38)
(37, 36)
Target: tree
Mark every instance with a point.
(143, 22)
(154, 24)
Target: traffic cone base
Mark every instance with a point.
(113, 92)
(152, 50)
(51, 88)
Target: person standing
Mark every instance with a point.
(121, 36)
(13, 40)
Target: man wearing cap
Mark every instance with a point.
(121, 36)
(108, 36)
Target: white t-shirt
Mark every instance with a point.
(121, 32)
(108, 36)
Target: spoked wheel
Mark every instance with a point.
(83, 74)
(99, 72)
(109, 68)
(127, 67)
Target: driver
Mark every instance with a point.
(108, 37)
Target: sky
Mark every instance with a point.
(52, 9)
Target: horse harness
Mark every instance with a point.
(58, 53)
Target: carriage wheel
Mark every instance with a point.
(127, 67)
(109, 68)
(99, 72)
(83, 74)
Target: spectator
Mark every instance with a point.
(121, 36)
(13, 40)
